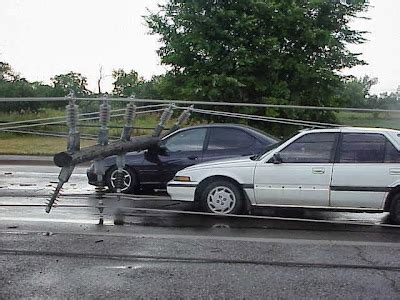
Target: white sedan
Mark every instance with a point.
(342, 168)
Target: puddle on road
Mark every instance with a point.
(130, 267)
(74, 221)
(284, 220)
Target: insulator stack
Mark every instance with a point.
(100, 191)
(119, 181)
(105, 112)
(72, 123)
(54, 198)
(130, 114)
(184, 116)
(166, 115)
(72, 116)
(104, 118)
(63, 177)
(181, 120)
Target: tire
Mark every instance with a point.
(131, 184)
(395, 210)
(222, 197)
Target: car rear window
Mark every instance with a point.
(229, 138)
(362, 148)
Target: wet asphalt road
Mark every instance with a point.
(168, 254)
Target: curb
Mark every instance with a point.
(26, 160)
(30, 160)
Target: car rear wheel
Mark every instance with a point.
(222, 197)
(130, 182)
(395, 210)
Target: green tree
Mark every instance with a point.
(263, 51)
(356, 92)
(12, 85)
(65, 83)
(155, 88)
(125, 84)
(7, 73)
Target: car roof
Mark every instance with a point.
(368, 129)
(354, 129)
(255, 132)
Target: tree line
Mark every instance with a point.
(255, 51)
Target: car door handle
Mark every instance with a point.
(318, 170)
(192, 157)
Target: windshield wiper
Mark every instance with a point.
(255, 156)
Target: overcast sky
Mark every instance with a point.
(42, 38)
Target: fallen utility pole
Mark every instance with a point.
(66, 159)
(75, 155)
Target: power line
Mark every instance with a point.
(213, 103)
(53, 134)
(84, 119)
(263, 118)
(63, 117)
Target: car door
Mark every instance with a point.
(365, 165)
(303, 176)
(183, 149)
(225, 142)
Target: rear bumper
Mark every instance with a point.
(182, 191)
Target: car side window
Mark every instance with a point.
(362, 148)
(187, 140)
(392, 155)
(229, 138)
(310, 148)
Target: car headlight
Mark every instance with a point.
(182, 178)
(90, 169)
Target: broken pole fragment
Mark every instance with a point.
(65, 159)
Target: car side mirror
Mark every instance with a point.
(152, 154)
(162, 150)
(276, 159)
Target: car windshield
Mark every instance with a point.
(269, 148)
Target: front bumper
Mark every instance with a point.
(92, 178)
(182, 191)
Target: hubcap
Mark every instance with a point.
(127, 180)
(221, 200)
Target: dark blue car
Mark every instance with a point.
(152, 169)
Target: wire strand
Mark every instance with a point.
(213, 103)
(63, 121)
(63, 117)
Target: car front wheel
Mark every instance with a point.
(222, 197)
(130, 183)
